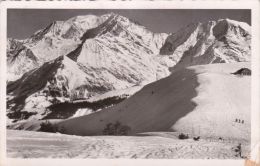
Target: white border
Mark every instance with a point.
(199, 4)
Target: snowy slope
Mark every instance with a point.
(200, 100)
(158, 146)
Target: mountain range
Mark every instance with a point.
(87, 57)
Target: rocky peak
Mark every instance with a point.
(219, 41)
(229, 28)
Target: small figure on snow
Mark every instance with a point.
(238, 150)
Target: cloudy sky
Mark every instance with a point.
(22, 23)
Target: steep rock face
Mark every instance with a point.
(116, 54)
(234, 43)
(20, 59)
(54, 82)
(223, 41)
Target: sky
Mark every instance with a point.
(22, 23)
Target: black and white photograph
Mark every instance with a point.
(128, 83)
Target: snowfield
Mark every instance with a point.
(29, 144)
(206, 100)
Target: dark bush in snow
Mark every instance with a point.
(196, 138)
(183, 136)
(48, 127)
(116, 129)
(52, 128)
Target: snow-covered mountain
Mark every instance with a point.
(222, 41)
(87, 56)
(58, 38)
(108, 55)
(113, 33)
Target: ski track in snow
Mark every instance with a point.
(28, 144)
